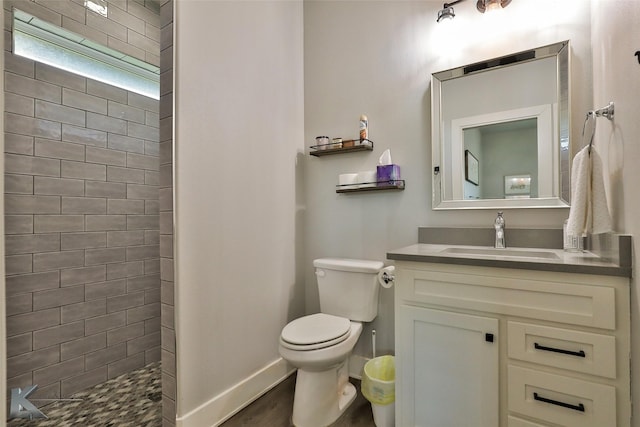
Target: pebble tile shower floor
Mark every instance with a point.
(130, 400)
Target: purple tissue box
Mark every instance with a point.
(388, 174)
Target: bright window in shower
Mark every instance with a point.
(41, 41)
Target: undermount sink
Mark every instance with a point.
(510, 253)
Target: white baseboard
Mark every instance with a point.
(228, 403)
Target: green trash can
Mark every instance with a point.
(379, 387)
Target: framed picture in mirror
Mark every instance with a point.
(471, 168)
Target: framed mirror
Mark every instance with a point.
(500, 132)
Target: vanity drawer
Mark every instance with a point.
(593, 354)
(560, 400)
(479, 288)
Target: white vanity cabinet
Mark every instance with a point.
(487, 347)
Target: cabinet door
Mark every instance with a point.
(447, 369)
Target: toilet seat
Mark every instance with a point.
(315, 331)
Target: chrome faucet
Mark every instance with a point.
(499, 226)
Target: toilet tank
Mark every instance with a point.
(348, 287)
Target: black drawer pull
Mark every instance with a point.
(579, 407)
(559, 350)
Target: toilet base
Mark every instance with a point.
(321, 397)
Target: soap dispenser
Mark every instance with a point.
(499, 225)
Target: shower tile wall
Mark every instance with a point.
(82, 209)
(166, 216)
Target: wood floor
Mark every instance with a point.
(274, 409)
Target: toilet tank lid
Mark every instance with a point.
(346, 264)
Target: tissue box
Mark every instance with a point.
(388, 174)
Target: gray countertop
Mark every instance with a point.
(519, 258)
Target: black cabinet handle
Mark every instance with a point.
(559, 350)
(579, 407)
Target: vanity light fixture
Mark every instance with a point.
(483, 6)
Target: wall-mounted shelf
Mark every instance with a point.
(397, 184)
(341, 147)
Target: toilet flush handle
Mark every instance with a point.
(320, 273)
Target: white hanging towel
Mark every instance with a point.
(589, 212)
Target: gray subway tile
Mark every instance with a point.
(57, 260)
(58, 223)
(82, 346)
(152, 119)
(141, 161)
(60, 113)
(31, 243)
(126, 112)
(111, 190)
(18, 184)
(57, 297)
(126, 19)
(19, 65)
(125, 365)
(18, 224)
(83, 310)
(145, 43)
(106, 222)
(19, 344)
(166, 269)
(19, 304)
(144, 343)
(125, 143)
(120, 174)
(143, 313)
(105, 256)
(59, 77)
(58, 186)
(125, 333)
(106, 25)
(152, 207)
(152, 149)
(27, 86)
(166, 246)
(32, 282)
(136, 130)
(86, 31)
(167, 316)
(18, 264)
(106, 123)
(31, 126)
(29, 165)
(83, 381)
(105, 156)
(105, 289)
(166, 175)
(84, 205)
(85, 240)
(59, 150)
(19, 144)
(92, 137)
(125, 206)
(105, 322)
(26, 204)
(135, 191)
(166, 292)
(104, 90)
(151, 237)
(135, 253)
(84, 101)
(151, 178)
(143, 222)
(58, 371)
(143, 102)
(19, 104)
(123, 302)
(124, 47)
(83, 275)
(125, 238)
(82, 170)
(125, 269)
(105, 356)
(57, 334)
(165, 199)
(31, 361)
(34, 321)
(152, 266)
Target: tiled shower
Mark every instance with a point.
(82, 178)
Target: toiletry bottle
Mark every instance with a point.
(364, 129)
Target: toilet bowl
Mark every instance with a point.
(323, 390)
(320, 344)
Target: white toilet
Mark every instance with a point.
(319, 345)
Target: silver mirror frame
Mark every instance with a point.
(562, 194)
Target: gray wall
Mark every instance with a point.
(81, 194)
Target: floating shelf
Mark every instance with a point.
(339, 148)
(397, 184)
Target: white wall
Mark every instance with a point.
(238, 131)
(616, 75)
(376, 58)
